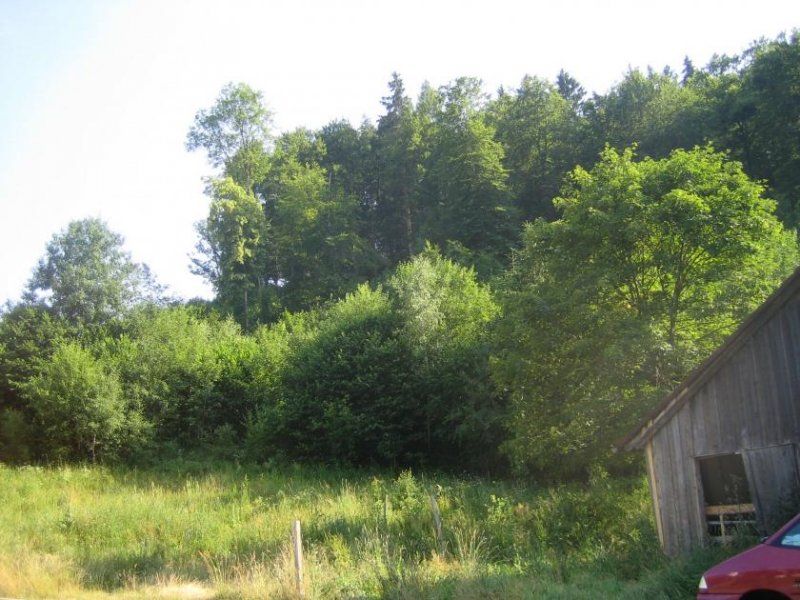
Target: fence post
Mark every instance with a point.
(437, 522)
(297, 541)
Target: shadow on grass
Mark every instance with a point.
(668, 579)
(112, 572)
(505, 586)
(508, 586)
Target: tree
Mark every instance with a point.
(770, 106)
(84, 285)
(78, 404)
(185, 374)
(345, 394)
(233, 250)
(464, 199)
(28, 337)
(662, 230)
(652, 110)
(389, 376)
(446, 315)
(651, 264)
(87, 279)
(234, 133)
(317, 248)
(572, 91)
(350, 164)
(398, 178)
(724, 113)
(539, 128)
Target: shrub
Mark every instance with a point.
(78, 404)
(15, 437)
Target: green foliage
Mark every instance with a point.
(397, 148)
(349, 161)
(16, 437)
(394, 376)
(668, 237)
(445, 315)
(331, 257)
(345, 205)
(77, 532)
(233, 247)
(187, 375)
(749, 107)
(234, 133)
(28, 336)
(345, 395)
(540, 131)
(652, 110)
(464, 189)
(78, 404)
(87, 279)
(572, 91)
(290, 239)
(635, 273)
(770, 107)
(651, 264)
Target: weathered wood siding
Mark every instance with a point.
(750, 406)
(678, 489)
(773, 478)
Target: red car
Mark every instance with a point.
(770, 571)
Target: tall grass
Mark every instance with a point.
(196, 530)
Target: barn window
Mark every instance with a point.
(726, 492)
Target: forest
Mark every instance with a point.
(495, 283)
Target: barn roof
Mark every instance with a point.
(672, 403)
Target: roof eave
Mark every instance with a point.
(663, 411)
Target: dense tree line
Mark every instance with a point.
(392, 374)
(473, 279)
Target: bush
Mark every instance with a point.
(78, 404)
(345, 395)
(15, 437)
(187, 374)
(394, 377)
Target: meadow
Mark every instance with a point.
(198, 530)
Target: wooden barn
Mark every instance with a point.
(723, 448)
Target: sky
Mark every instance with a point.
(96, 96)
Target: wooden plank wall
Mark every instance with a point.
(677, 482)
(774, 478)
(750, 406)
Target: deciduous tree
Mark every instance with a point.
(464, 197)
(233, 250)
(540, 131)
(78, 404)
(87, 279)
(651, 264)
(234, 133)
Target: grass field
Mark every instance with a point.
(195, 530)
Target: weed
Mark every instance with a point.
(217, 531)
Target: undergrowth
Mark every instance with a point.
(220, 531)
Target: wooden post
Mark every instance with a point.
(297, 541)
(437, 522)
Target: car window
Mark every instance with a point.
(791, 537)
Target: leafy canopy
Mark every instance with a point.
(86, 277)
(234, 133)
(651, 264)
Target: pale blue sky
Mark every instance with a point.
(96, 96)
